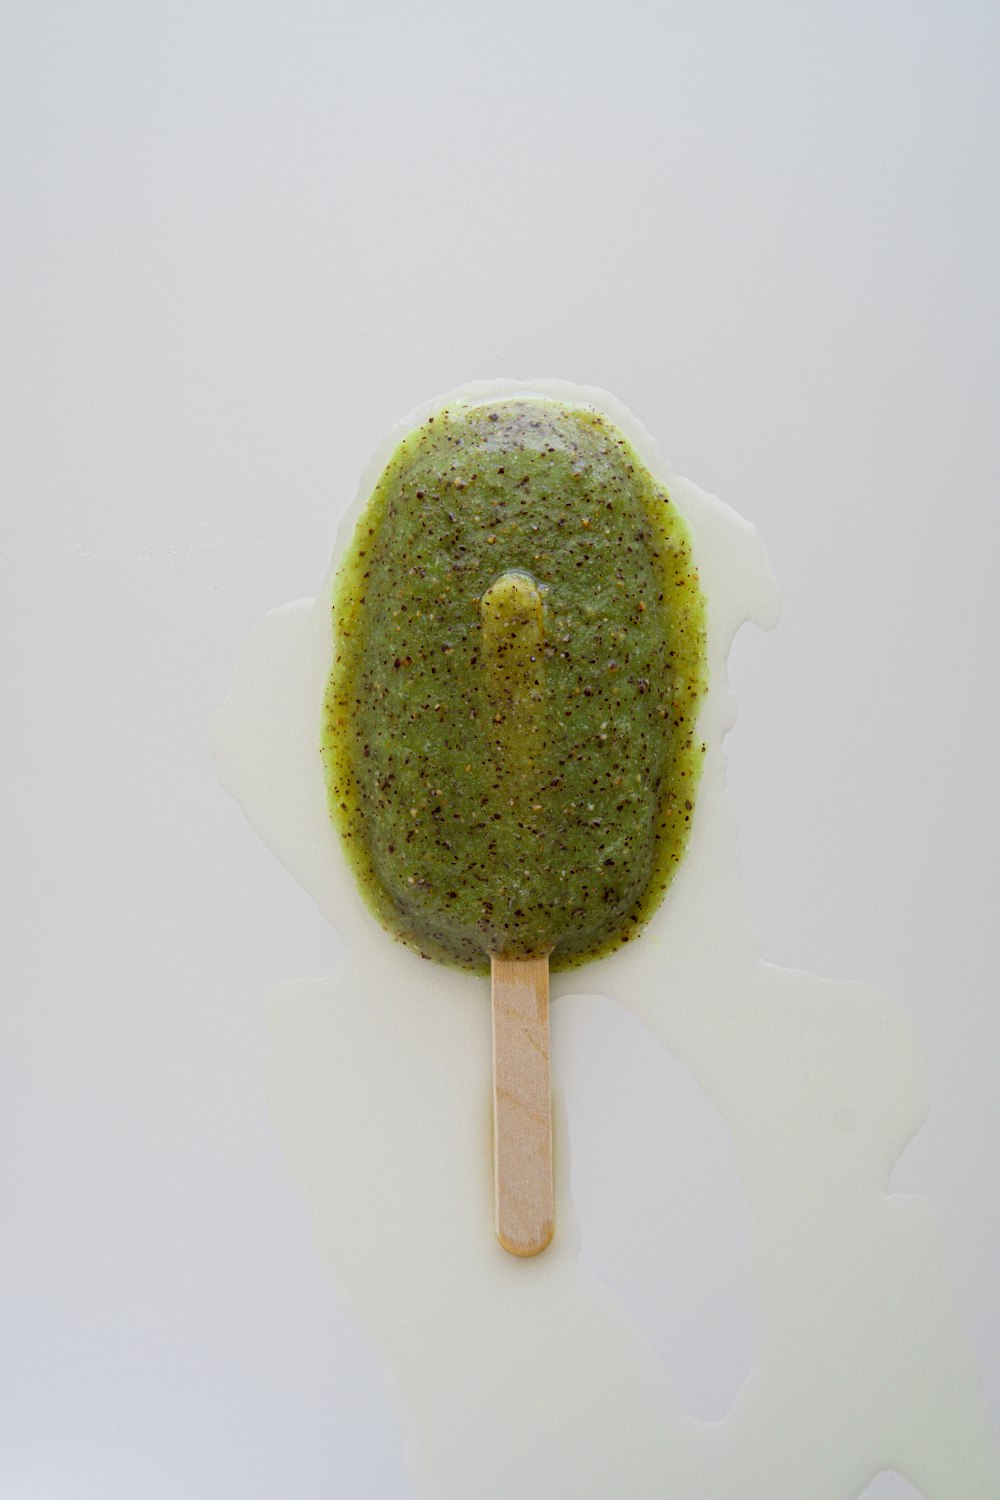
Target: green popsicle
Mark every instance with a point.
(510, 725)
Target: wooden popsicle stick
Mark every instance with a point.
(522, 1107)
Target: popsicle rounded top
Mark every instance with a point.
(510, 737)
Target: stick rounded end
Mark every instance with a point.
(526, 1242)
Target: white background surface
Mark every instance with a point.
(243, 240)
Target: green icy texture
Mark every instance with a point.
(467, 834)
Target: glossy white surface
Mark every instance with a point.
(241, 242)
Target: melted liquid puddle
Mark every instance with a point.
(380, 1089)
(664, 1219)
(890, 1486)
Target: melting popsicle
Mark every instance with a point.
(510, 727)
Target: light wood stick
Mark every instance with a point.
(522, 1108)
